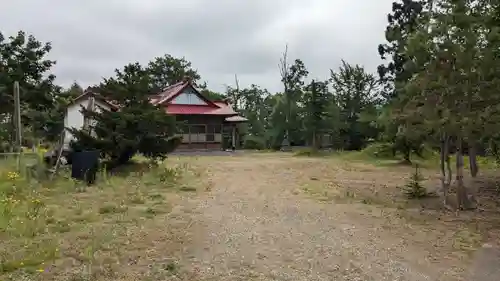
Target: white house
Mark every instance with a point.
(74, 117)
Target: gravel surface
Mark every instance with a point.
(254, 225)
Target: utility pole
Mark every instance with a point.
(17, 123)
(237, 95)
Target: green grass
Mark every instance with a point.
(430, 158)
(43, 223)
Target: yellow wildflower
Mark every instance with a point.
(12, 175)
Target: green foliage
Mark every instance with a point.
(414, 188)
(168, 70)
(316, 101)
(213, 96)
(308, 152)
(250, 102)
(23, 59)
(294, 80)
(254, 142)
(137, 126)
(355, 93)
(73, 91)
(455, 63)
(380, 150)
(406, 18)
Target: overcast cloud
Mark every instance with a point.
(220, 37)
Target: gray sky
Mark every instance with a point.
(220, 37)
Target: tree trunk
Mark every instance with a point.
(314, 141)
(462, 199)
(473, 160)
(406, 156)
(474, 169)
(445, 161)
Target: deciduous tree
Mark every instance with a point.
(23, 59)
(168, 70)
(355, 92)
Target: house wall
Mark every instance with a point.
(74, 116)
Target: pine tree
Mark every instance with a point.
(136, 127)
(454, 89)
(414, 188)
(407, 18)
(316, 101)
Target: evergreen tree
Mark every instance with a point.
(316, 101)
(454, 88)
(136, 127)
(73, 91)
(407, 18)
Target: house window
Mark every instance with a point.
(212, 131)
(197, 133)
(210, 137)
(198, 129)
(182, 128)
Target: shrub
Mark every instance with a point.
(379, 150)
(253, 142)
(308, 152)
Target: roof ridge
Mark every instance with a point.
(173, 85)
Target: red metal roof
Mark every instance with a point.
(186, 109)
(211, 108)
(169, 92)
(164, 98)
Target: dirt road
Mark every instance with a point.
(255, 223)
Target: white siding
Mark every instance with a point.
(188, 97)
(74, 116)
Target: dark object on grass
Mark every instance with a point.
(84, 165)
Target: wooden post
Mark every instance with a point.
(233, 141)
(59, 155)
(222, 136)
(86, 120)
(17, 124)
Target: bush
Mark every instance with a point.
(379, 150)
(308, 152)
(253, 142)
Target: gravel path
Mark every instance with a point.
(254, 225)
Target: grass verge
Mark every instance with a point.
(64, 230)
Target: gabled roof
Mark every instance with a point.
(210, 108)
(164, 98)
(172, 91)
(97, 96)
